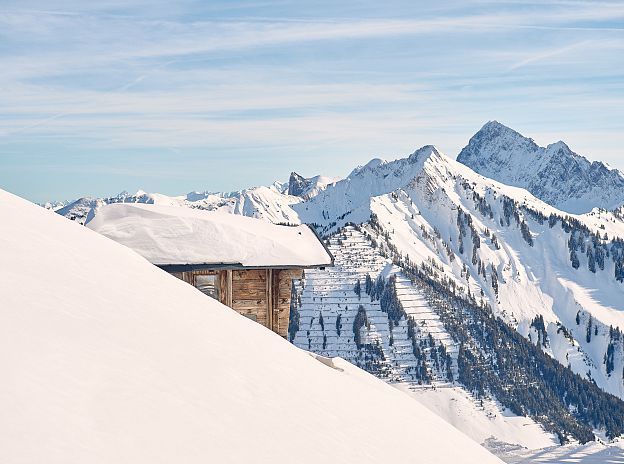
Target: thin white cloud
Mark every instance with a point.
(551, 53)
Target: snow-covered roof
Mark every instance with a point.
(169, 235)
(146, 369)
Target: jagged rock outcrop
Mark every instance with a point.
(307, 188)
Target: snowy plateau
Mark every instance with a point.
(488, 289)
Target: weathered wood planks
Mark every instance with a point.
(261, 294)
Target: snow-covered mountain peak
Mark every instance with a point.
(126, 194)
(495, 138)
(559, 146)
(195, 195)
(424, 153)
(403, 168)
(371, 165)
(555, 173)
(281, 187)
(494, 129)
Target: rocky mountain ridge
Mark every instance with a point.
(554, 173)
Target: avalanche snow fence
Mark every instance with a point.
(245, 263)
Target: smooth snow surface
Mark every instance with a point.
(486, 421)
(107, 359)
(174, 235)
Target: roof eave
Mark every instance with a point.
(186, 267)
(234, 266)
(318, 237)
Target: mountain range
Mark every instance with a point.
(457, 273)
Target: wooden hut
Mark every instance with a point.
(245, 263)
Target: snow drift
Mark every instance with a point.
(105, 358)
(174, 235)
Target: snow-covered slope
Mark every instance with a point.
(535, 271)
(269, 203)
(105, 358)
(325, 314)
(79, 210)
(554, 174)
(485, 421)
(426, 201)
(591, 453)
(349, 200)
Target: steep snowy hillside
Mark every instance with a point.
(108, 359)
(349, 200)
(334, 316)
(521, 256)
(554, 174)
(395, 320)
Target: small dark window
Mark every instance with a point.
(208, 285)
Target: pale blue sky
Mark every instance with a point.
(173, 96)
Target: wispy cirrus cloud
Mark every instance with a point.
(552, 53)
(333, 81)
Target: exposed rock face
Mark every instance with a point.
(555, 174)
(307, 188)
(297, 184)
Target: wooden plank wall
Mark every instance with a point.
(249, 294)
(262, 294)
(282, 287)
